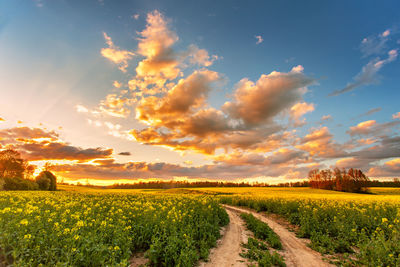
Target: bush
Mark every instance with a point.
(19, 184)
(46, 181)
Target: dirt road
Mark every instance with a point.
(230, 245)
(295, 251)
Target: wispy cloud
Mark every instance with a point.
(115, 54)
(368, 74)
(259, 39)
(375, 45)
(370, 112)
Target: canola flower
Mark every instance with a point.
(335, 222)
(106, 229)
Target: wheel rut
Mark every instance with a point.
(295, 251)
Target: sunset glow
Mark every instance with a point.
(122, 92)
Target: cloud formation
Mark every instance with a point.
(368, 74)
(374, 45)
(319, 143)
(371, 111)
(260, 102)
(298, 110)
(373, 128)
(40, 144)
(251, 134)
(115, 54)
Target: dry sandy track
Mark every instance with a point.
(296, 252)
(230, 245)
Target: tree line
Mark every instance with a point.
(352, 180)
(17, 174)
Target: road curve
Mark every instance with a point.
(295, 251)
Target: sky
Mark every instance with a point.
(116, 91)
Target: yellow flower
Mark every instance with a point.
(384, 220)
(116, 248)
(24, 222)
(28, 236)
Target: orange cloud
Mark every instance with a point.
(183, 98)
(319, 142)
(367, 141)
(113, 53)
(27, 133)
(394, 163)
(200, 56)
(362, 127)
(117, 84)
(40, 144)
(257, 103)
(115, 106)
(1, 119)
(390, 168)
(396, 116)
(298, 110)
(371, 127)
(155, 45)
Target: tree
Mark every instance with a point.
(46, 181)
(11, 164)
(353, 180)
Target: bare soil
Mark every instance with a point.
(229, 247)
(138, 260)
(295, 250)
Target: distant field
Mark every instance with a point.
(377, 193)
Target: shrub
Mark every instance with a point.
(46, 181)
(19, 184)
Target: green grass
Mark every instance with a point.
(261, 230)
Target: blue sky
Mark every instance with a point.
(51, 61)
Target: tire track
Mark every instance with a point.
(296, 252)
(229, 247)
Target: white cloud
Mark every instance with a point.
(259, 39)
(81, 109)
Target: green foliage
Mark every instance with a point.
(47, 181)
(261, 230)
(258, 251)
(19, 184)
(105, 229)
